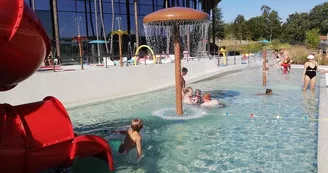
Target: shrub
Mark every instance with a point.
(299, 54)
(312, 38)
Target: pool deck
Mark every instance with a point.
(323, 127)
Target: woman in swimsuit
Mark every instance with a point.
(310, 72)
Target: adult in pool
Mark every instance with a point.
(209, 102)
(132, 137)
(310, 73)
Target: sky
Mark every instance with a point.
(252, 8)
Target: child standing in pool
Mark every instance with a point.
(132, 138)
(184, 72)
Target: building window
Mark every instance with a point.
(42, 5)
(27, 2)
(107, 7)
(147, 2)
(159, 3)
(145, 9)
(122, 8)
(45, 18)
(65, 5)
(71, 24)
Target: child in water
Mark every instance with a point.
(267, 92)
(132, 138)
(198, 97)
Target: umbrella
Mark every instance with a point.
(264, 41)
(98, 41)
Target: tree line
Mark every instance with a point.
(271, 27)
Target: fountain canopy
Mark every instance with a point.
(180, 14)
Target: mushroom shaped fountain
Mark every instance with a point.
(174, 19)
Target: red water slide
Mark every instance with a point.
(23, 43)
(37, 136)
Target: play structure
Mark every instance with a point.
(223, 51)
(144, 60)
(120, 33)
(176, 17)
(36, 136)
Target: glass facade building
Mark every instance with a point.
(77, 17)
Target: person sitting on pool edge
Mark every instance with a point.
(132, 137)
(208, 102)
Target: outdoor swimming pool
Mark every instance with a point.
(216, 140)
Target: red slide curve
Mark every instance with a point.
(23, 43)
(39, 136)
(36, 136)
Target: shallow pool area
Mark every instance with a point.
(253, 133)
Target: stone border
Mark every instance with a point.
(322, 155)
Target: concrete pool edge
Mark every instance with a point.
(198, 78)
(322, 157)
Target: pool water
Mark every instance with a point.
(280, 137)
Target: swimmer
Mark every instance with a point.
(132, 138)
(267, 92)
(187, 99)
(208, 102)
(197, 99)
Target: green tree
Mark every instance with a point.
(265, 11)
(219, 24)
(240, 28)
(295, 27)
(256, 27)
(274, 25)
(312, 38)
(319, 18)
(228, 31)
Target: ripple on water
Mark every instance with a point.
(189, 113)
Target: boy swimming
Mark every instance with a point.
(132, 138)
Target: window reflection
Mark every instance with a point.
(72, 12)
(65, 5)
(107, 7)
(27, 2)
(45, 18)
(71, 24)
(145, 9)
(42, 5)
(132, 24)
(148, 2)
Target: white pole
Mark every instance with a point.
(97, 32)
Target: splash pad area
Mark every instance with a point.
(214, 140)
